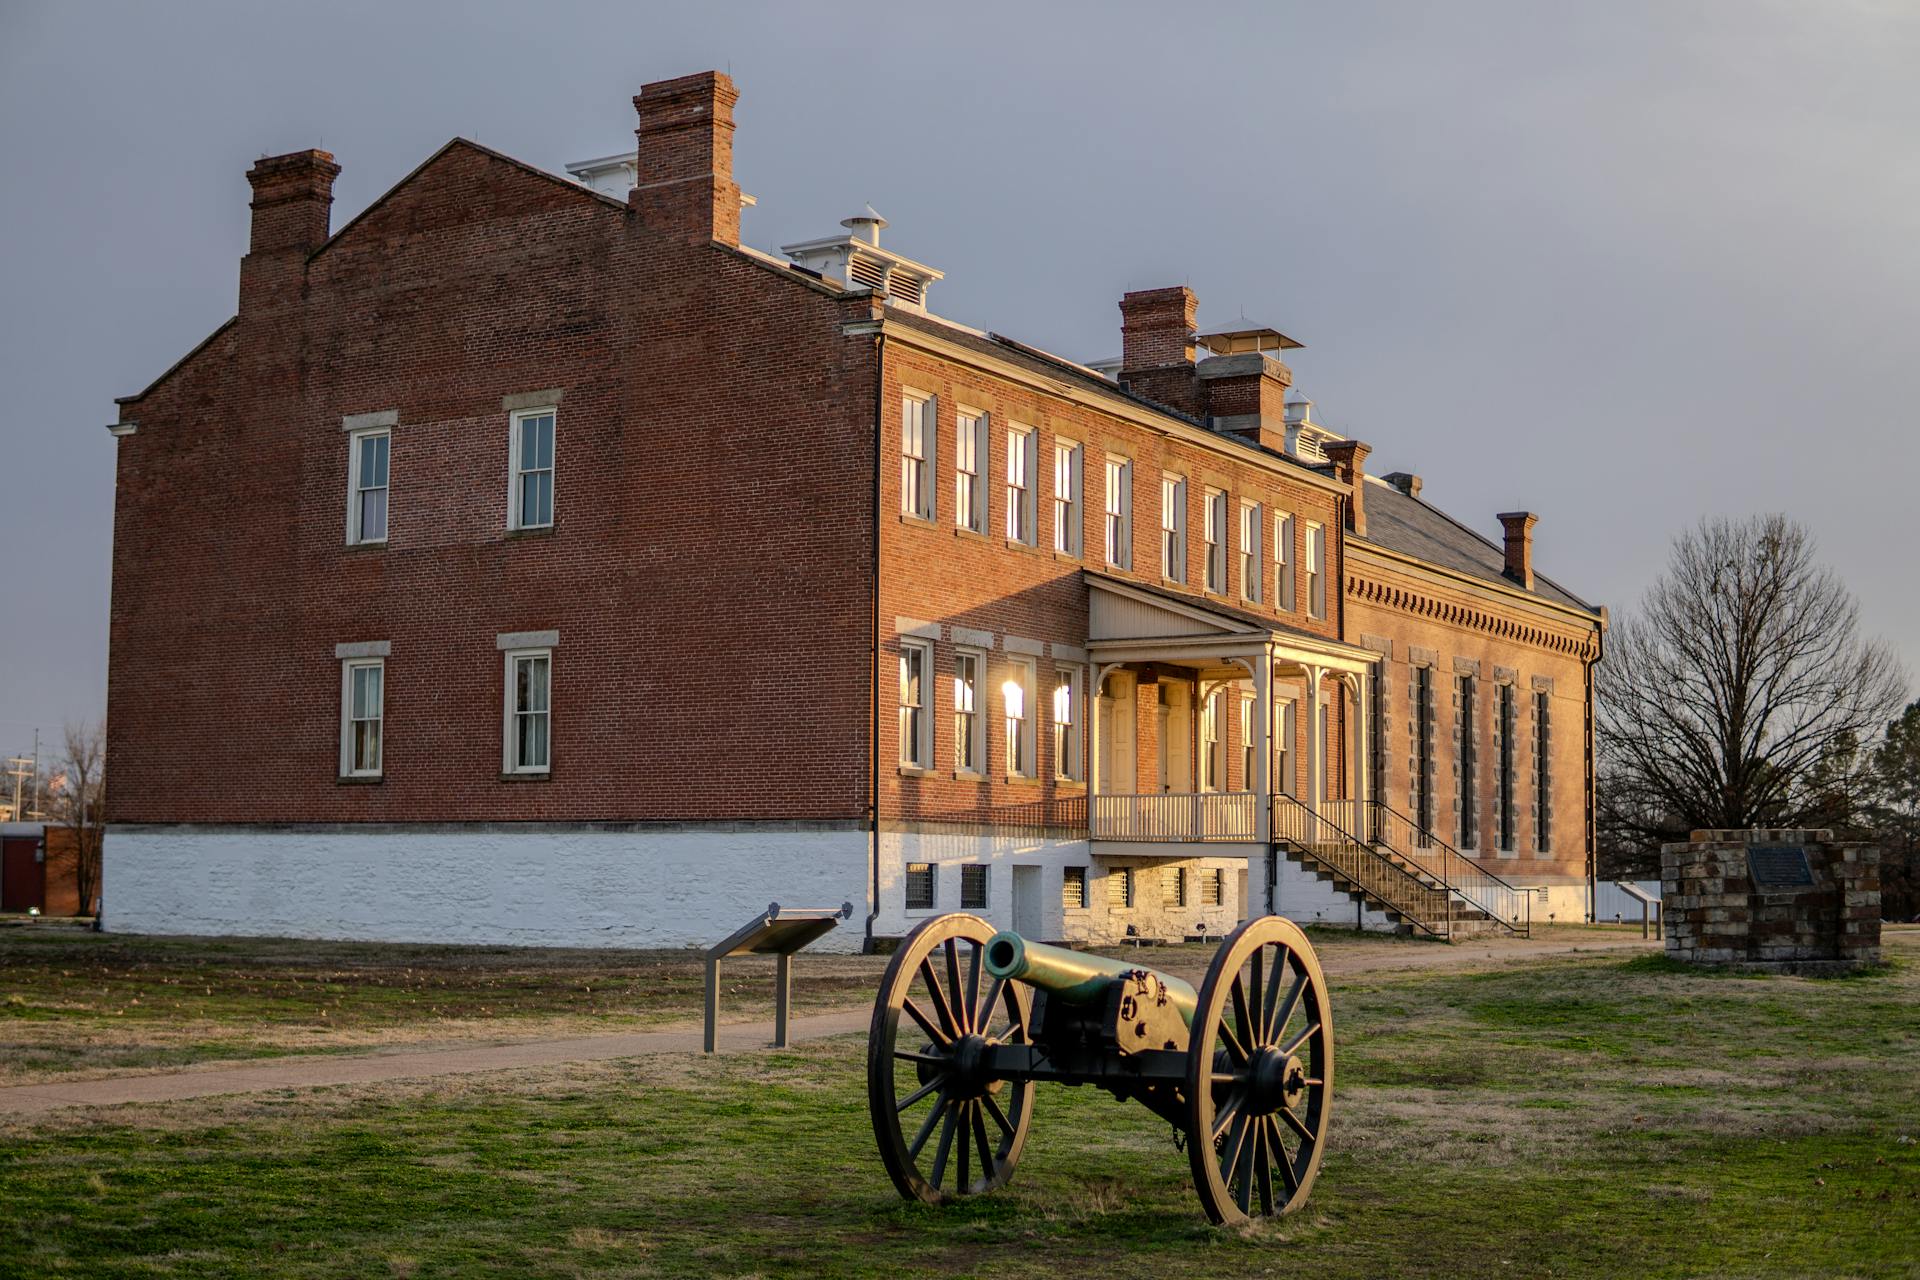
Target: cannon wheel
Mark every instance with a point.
(944, 1127)
(1259, 1073)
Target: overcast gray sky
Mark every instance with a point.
(1621, 264)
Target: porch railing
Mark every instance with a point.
(1177, 816)
(1428, 855)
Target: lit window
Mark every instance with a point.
(1216, 534)
(1017, 696)
(1211, 761)
(969, 738)
(1073, 888)
(1119, 513)
(1316, 577)
(917, 426)
(1283, 560)
(915, 740)
(973, 886)
(1283, 746)
(1066, 723)
(529, 711)
(970, 490)
(362, 716)
(367, 486)
(1020, 517)
(1066, 497)
(1173, 528)
(530, 499)
(920, 886)
(1249, 725)
(1250, 574)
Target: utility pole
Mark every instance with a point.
(39, 815)
(17, 770)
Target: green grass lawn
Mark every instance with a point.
(1574, 1116)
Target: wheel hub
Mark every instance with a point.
(1275, 1080)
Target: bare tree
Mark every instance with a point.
(1741, 672)
(75, 801)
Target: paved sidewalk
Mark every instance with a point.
(321, 1070)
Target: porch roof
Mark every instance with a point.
(1129, 621)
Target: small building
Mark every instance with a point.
(39, 870)
(530, 560)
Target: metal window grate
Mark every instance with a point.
(1073, 888)
(973, 887)
(919, 886)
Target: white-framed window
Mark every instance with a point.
(1173, 527)
(1016, 696)
(916, 710)
(530, 481)
(1213, 764)
(921, 881)
(970, 479)
(1316, 576)
(917, 432)
(1120, 887)
(969, 724)
(529, 722)
(1173, 887)
(1249, 726)
(363, 701)
(1066, 497)
(1073, 888)
(1119, 499)
(370, 453)
(1283, 561)
(1066, 723)
(1020, 460)
(974, 885)
(1215, 531)
(1250, 543)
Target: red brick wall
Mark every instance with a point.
(930, 572)
(707, 570)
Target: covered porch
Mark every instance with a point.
(1211, 723)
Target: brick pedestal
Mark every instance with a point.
(1717, 912)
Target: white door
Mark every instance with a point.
(1176, 739)
(1026, 901)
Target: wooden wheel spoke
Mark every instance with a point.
(1256, 994)
(945, 1148)
(919, 1015)
(926, 1128)
(999, 1116)
(1263, 1164)
(961, 1181)
(1236, 1139)
(1287, 1174)
(976, 1018)
(1300, 1039)
(1226, 1116)
(1296, 1124)
(986, 1009)
(940, 1005)
(956, 1010)
(1241, 1180)
(981, 1144)
(929, 1059)
(931, 1086)
(1277, 1019)
(1235, 1049)
(1241, 1018)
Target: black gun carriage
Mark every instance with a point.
(969, 1020)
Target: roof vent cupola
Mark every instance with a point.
(857, 261)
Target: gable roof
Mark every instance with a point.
(1399, 522)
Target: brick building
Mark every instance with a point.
(529, 563)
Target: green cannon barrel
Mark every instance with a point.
(1073, 976)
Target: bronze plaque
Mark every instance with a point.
(1779, 866)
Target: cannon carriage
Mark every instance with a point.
(968, 1021)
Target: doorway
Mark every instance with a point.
(1026, 901)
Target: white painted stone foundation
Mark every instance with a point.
(1305, 899)
(543, 886)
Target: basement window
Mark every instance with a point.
(973, 886)
(919, 886)
(1211, 887)
(1120, 887)
(1073, 888)
(1174, 887)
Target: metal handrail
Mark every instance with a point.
(1509, 907)
(1428, 907)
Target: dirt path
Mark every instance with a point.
(307, 1071)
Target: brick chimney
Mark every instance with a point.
(684, 183)
(1349, 459)
(1519, 530)
(1156, 347)
(292, 206)
(1405, 481)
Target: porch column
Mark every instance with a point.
(1361, 734)
(1261, 784)
(1315, 765)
